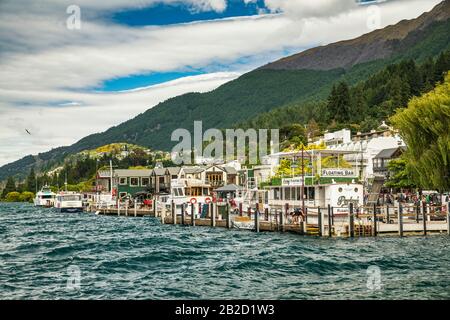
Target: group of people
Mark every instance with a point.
(429, 198)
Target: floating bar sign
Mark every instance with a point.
(338, 173)
(292, 181)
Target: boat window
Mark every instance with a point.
(287, 193)
(47, 196)
(311, 193)
(123, 180)
(71, 197)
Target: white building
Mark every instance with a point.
(368, 145)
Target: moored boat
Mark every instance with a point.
(69, 202)
(45, 197)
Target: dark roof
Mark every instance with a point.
(230, 170)
(173, 170)
(389, 153)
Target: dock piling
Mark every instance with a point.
(400, 220)
(256, 219)
(319, 221)
(174, 213)
(448, 218)
(374, 217)
(192, 214)
(213, 215)
(330, 226)
(388, 218)
(424, 217)
(351, 224)
(183, 214)
(135, 207)
(228, 215)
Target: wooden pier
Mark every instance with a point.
(368, 221)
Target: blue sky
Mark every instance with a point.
(170, 14)
(163, 14)
(166, 14)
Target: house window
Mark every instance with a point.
(276, 194)
(122, 181)
(145, 182)
(134, 182)
(161, 179)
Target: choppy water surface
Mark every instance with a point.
(138, 258)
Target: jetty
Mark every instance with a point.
(352, 221)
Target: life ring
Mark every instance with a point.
(193, 201)
(208, 200)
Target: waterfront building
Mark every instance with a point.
(382, 159)
(128, 182)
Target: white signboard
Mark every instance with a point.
(292, 181)
(338, 173)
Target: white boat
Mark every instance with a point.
(69, 202)
(45, 197)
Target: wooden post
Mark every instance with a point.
(155, 208)
(126, 208)
(135, 207)
(424, 217)
(281, 220)
(330, 225)
(228, 215)
(118, 208)
(163, 214)
(351, 225)
(213, 216)
(388, 218)
(174, 213)
(319, 221)
(183, 214)
(448, 218)
(192, 214)
(256, 219)
(417, 207)
(374, 217)
(240, 209)
(306, 215)
(400, 220)
(266, 214)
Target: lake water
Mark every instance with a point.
(49, 255)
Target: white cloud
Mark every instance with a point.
(43, 63)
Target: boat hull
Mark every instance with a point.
(70, 210)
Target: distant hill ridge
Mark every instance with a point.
(379, 44)
(307, 76)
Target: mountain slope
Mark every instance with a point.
(266, 88)
(379, 44)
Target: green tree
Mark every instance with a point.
(30, 184)
(10, 187)
(13, 196)
(399, 177)
(425, 127)
(26, 196)
(339, 102)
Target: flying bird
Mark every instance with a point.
(28, 132)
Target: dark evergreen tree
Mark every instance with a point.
(30, 184)
(9, 187)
